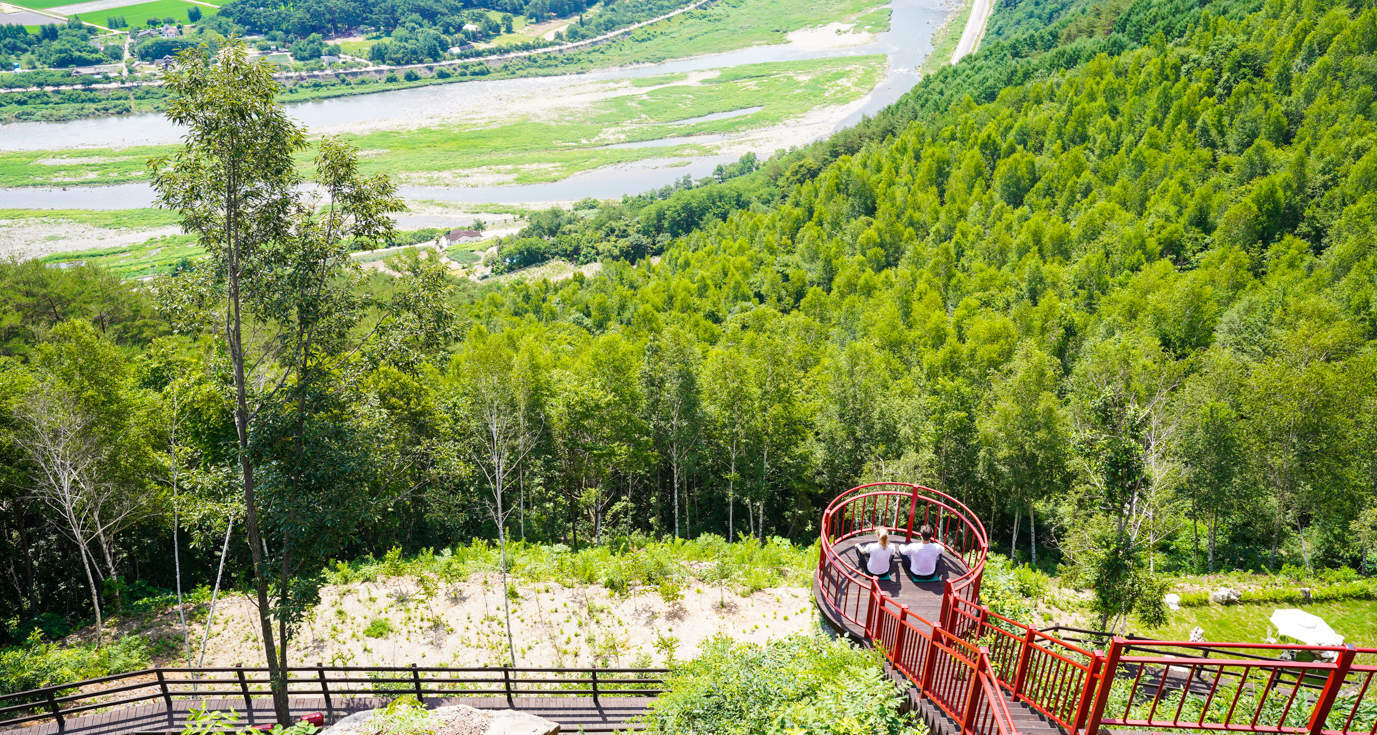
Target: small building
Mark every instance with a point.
(166, 62)
(472, 27)
(329, 59)
(169, 31)
(454, 237)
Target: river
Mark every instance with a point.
(906, 45)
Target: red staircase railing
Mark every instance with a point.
(972, 662)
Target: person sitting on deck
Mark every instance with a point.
(879, 555)
(922, 556)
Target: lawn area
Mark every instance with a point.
(357, 48)
(1356, 620)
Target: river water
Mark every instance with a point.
(906, 45)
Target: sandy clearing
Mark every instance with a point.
(829, 37)
(33, 238)
(553, 625)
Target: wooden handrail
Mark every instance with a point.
(58, 702)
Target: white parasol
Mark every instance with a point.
(1304, 627)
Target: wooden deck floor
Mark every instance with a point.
(922, 599)
(573, 713)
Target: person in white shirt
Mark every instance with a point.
(879, 554)
(922, 555)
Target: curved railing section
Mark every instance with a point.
(903, 508)
(974, 665)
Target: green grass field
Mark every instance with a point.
(136, 14)
(42, 4)
(154, 257)
(534, 151)
(120, 219)
(722, 26)
(1356, 620)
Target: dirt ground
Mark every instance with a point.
(32, 238)
(552, 625)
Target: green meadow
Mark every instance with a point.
(528, 150)
(152, 257)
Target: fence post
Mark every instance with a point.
(244, 689)
(1331, 689)
(325, 691)
(929, 663)
(595, 686)
(1087, 691)
(1111, 665)
(416, 683)
(870, 609)
(973, 694)
(945, 614)
(57, 711)
(912, 507)
(507, 684)
(900, 637)
(167, 696)
(1021, 673)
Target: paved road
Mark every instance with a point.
(975, 29)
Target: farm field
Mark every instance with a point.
(140, 14)
(135, 13)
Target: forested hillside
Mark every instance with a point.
(1110, 282)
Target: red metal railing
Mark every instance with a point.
(951, 671)
(971, 662)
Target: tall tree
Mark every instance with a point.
(280, 259)
(499, 394)
(1026, 437)
(669, 378)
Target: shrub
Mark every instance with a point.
(804, 683)
(404, 715)
(37, 663)
(378, 628)
(1011, 594)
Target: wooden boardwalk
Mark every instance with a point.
(924, 600)
(573, 713)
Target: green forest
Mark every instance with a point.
(1110, 282)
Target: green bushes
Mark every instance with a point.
(37, 663)
(378, 628)
(1358, 589)
(1011, 591)
(800, 684)
(746, 566)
